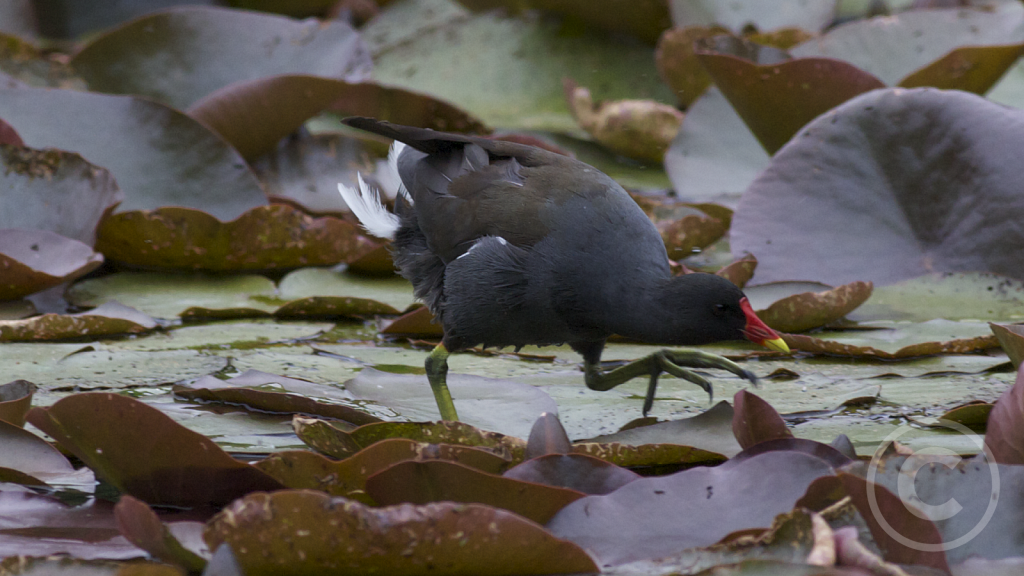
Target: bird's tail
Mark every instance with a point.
(365, 202)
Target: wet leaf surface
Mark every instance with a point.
(905, 206)
(109, 319)
(159, 156)
(29, 460)
(439, 481)
(802, 312)
(283, 533)
(775, 95)
(180, 55)
(962, 296)
(271, 237)
(755, 421)
(394, 293)
(640, 520)
(577, 472)
(34, 260)
(56, 191)
(142, 527)
(1011, 339)
(547, 436)
(180, 467)
(896, 342)
(710, 431)
(419, 323)
(15, 400)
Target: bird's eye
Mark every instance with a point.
(720, 308)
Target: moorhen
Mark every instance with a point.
(510, 245)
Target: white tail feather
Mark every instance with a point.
(387, 174)
(372, 214)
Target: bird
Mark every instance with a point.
(508, 244)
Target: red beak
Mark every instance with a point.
(758, 332)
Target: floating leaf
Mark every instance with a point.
(334, 442)
(690, 233)
(15, 400)
(180, 55)
(709, 431)
(969, 296)
(547, 436)
(678, 65)
(274, 402)
(142, 527)
(162, 463)
(577, 472)
(395, 293)
(739, 272)
(297, 532)
(755, 421)
(895, 344)
(56, 191)
(1004, 433)
(508, 71)
(1011, 338)
(34, 260)
(776, 95)
(736, 16)
(638, 129)
(263, 238)
(107, 320)
(647, 455)
(29, 460)
(38, 525)
(958, 215)
(440, 481)
(802, 312)
(641, 519)
(159, 156)
(301, 469)
(645, 19)
(419, 323)
(968, 68)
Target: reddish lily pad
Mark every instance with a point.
(577, 472)
(678, 65)
(29, 460)
(142, 527)
(107, 320)
(547, 436)
(776, 95)
(691, 233)
(9, 136)
(1011, 338)
(437, 481)
(873, 200)
(739, 272)
(647, 455)
(641, 519)
(638, 129)
(273, 402)
(802, 312)
(34, 260)
(298, 532)
(301, 469)
(755, 421)
(339, 444)
(159, 156)
(180, 55)
(15, 400)
(419, 323)
(959, 346)
(709, 432)
(56, 191)
(37, 525)
(161, 463)
(263, 238)
(1004, 432)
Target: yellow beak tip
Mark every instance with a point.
(777, 344)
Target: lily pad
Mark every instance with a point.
(297, 532)
(641, 519)
(395, 293)
(56, 191)
(691, 233)
(508, 71)
(419, 323)
(15, 400)
(638, 129)
(645, 20)
(29, 460)
(180, 55)
(755, 421)
(958, 215)
(106, 320)
(441, 481)
(159, 156)
(678, 65)
(710, 431)
(808, 310)
(810, 15)
(506, 406)
(1011, 338)
(776, 95)
(34, 260)
(142, 527)
(162, 463)
(1004, 433)
(923, 339)
(577, 472)
(263, 238)
(168, 295)
(953, 296)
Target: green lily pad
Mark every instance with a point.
(159, 156)
(646, 19)
(106, 320)
(310, 282)
(814, 15)
(168, 295)
(22, 64)
(1011, 338)
(678, 65)
(181, 55)
(264, 238)
(953, 296)
(957, 216)
(35, 260)
(508, 71)
(300, 529)
(56, 191)
(710, 431)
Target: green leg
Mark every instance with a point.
(674, 362)
(437, 373)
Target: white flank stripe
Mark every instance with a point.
(387, 174)
(372, 214)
